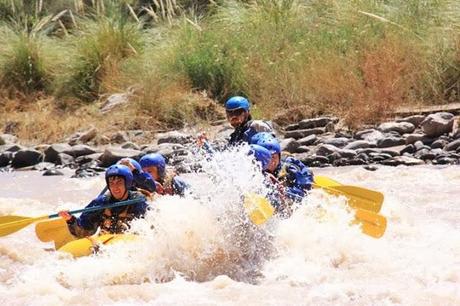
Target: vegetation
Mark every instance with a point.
(357, 59)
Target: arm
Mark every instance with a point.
(144, 180)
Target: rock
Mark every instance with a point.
(410, 148)
(83, 137)
(413, 138)
(390, 141)
(444, 160)
(452, 146)
(6, 158)
(116, 100)
(425, 154)
(409, 161)
(84, 159)
(52, 172)
(302, 149)
(359, 144)
(379, 156)
(292, 127)
(289, 145)
(169, 150)
(304, 133)
(316, 122)
(113, 154)
(419, 145)
(439, 144)
(437, 124)
(11, 148)
(42, 166)
(119, 137)
(307, 141)
(370, 167)
(330, 127)
(370, 135)
(400, 127)
(80, 150)
(325, 150)
(337, 142)
(174, 137)
(53, 151)
(27, 157)
(393, 151)
(130, 145)
(7, 139)
(64, 159)
(415, 120)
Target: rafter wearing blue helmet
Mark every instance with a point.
(142, 180)
(119, 180)
(166, 179)
(238, 115)
(295, 176)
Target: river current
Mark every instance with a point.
(202, 250)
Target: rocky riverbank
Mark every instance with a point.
(318, 142)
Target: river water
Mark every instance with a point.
(202, 250)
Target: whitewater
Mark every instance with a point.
(203, 250)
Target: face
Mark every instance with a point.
(153, 171)
(274, 162)
(117, 187)
(236, 117)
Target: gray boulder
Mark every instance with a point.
(289, 144)
(390, 141)
(6, 158)
(307, 141)
(113, 154)
(174, 137)
(26, 158)
(359, 144)
(297, 134)
(452, 146)
(7, 139)
(338, 142)
(53, 151)
(400, 127)
(415, 119)
(317, 122)
(437, 124)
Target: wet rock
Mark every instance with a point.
(84, 173)
(337, 142)
(370, 135)
(174, 137)
(410, 148)
(439, 144)
(413, 138)
(307, 141)
(316, 122)
(130, 145)
(330, 127)
(84, 159)
(53, 151)
(6, 158)
(445, 160)
(52, 172)
(64, 159)
(425, 154)
(393, 151)
(415, 120)
(80, 150)
(419, 145)
(379, 156)
(289, 145)
(437, 124)
(113, 154)
(370, 167)
(390, 141)
(399, 127)
(42, 166)
(27, 157)
(452, 146)
(325, 150)
(169, 150)
(409, 161)
(297, 134)
(359, 144)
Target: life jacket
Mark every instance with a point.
(244, 132)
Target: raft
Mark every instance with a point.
(90, 245)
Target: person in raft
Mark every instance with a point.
(142, 181)
(166, 180)
(119, 180)
(237, 109)
(289, 175)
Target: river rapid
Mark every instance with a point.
(202, 250)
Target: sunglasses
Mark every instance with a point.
(235, 112)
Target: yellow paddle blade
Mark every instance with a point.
(258, 208)
(11, 224)
(358, 197)
(372, 224)
(54, 230)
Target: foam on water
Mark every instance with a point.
(202, 249)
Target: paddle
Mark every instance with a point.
(12, 224)
(258, 208)
(357, 196)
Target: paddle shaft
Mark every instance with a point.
(95, 208)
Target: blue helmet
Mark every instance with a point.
(155, 160)
(237, 102)
(261, 154)
(268, 141)
(133, 162)
(120, 170)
